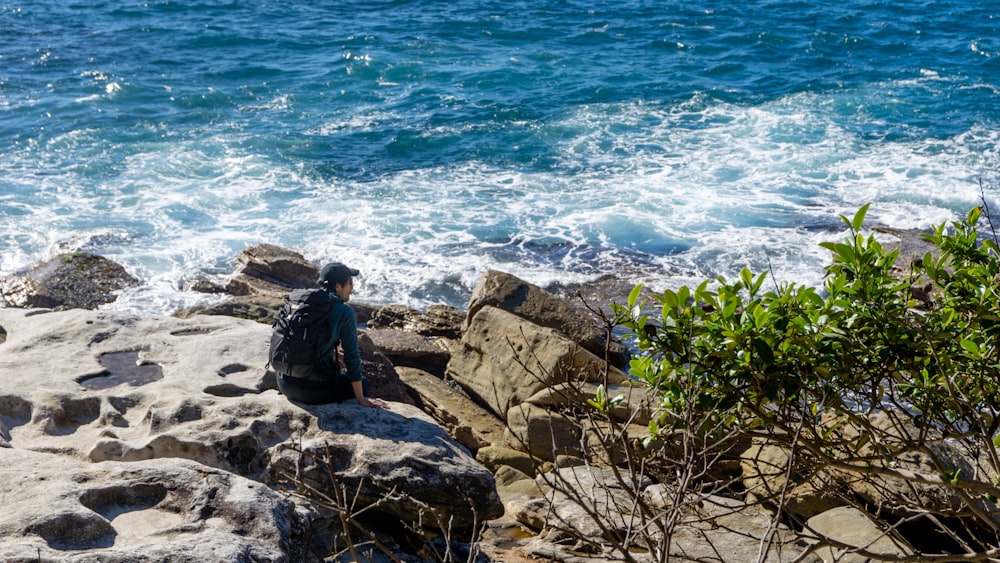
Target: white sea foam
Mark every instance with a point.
(659, 194)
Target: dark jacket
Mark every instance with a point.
(343, 331)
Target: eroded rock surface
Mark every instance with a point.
(60, 508)
(66, 281)
(541, 307)
(104, 388)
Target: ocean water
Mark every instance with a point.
(425, 141)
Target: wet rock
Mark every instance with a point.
(267, 266)
(67, 281)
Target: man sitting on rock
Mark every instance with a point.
(326, 383)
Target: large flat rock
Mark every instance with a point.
(100, 386)
(58, 508)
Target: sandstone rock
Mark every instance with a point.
(916, 457)
(257, 308)
(504, 359)
(721, 528)
(202, 285)
(544, 434)
(76, 280)
(506, 476)
(377, 367)
(710, 528)
(765, 476)
(470, 424)
(399, 462)
(264, 267)
(608, 509)
(912, 248)
(517, 490)
(857, 529)
(112, 387)
(636, 407)
(436, 321)
(534, 304)
(59, 508)
(495, 457)
(409, 349)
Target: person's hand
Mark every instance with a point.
(374, 403)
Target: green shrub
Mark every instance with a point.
(797, 365)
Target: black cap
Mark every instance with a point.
(334, 273)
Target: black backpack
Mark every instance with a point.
(300, 327)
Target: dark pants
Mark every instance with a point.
(313, 392)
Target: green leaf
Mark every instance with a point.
(973, 217)
(859, 217)
(760, 316)
(758, 283)
(633, 297)
(764, 351)
(600, 400)
(969, 346)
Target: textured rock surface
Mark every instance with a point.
(268, 269)
(503, 360)
(111, 387)
(436, 320)
(854, 527)
(59, 508)
(532, 303)
(408, 349)
(66, 281)
(470, 424)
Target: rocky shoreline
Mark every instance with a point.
(156, 438)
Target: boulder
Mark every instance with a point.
(856, 530)
(270, 269)
(719, 528)
(60, 508)
(534, 304)
(495, 457)
(386, 383)
(257, 308)
(912, 247)
(265, 275)
(409, 349)
(608, 511)
(767, 479)
(398, 462)
(112, 387)
(915, 460)
(573, 511)
(67, 281)
(504, 359)
(544, 434)
(435, 321)
(470, 424)
(637, 405)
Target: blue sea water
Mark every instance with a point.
(425, 141)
